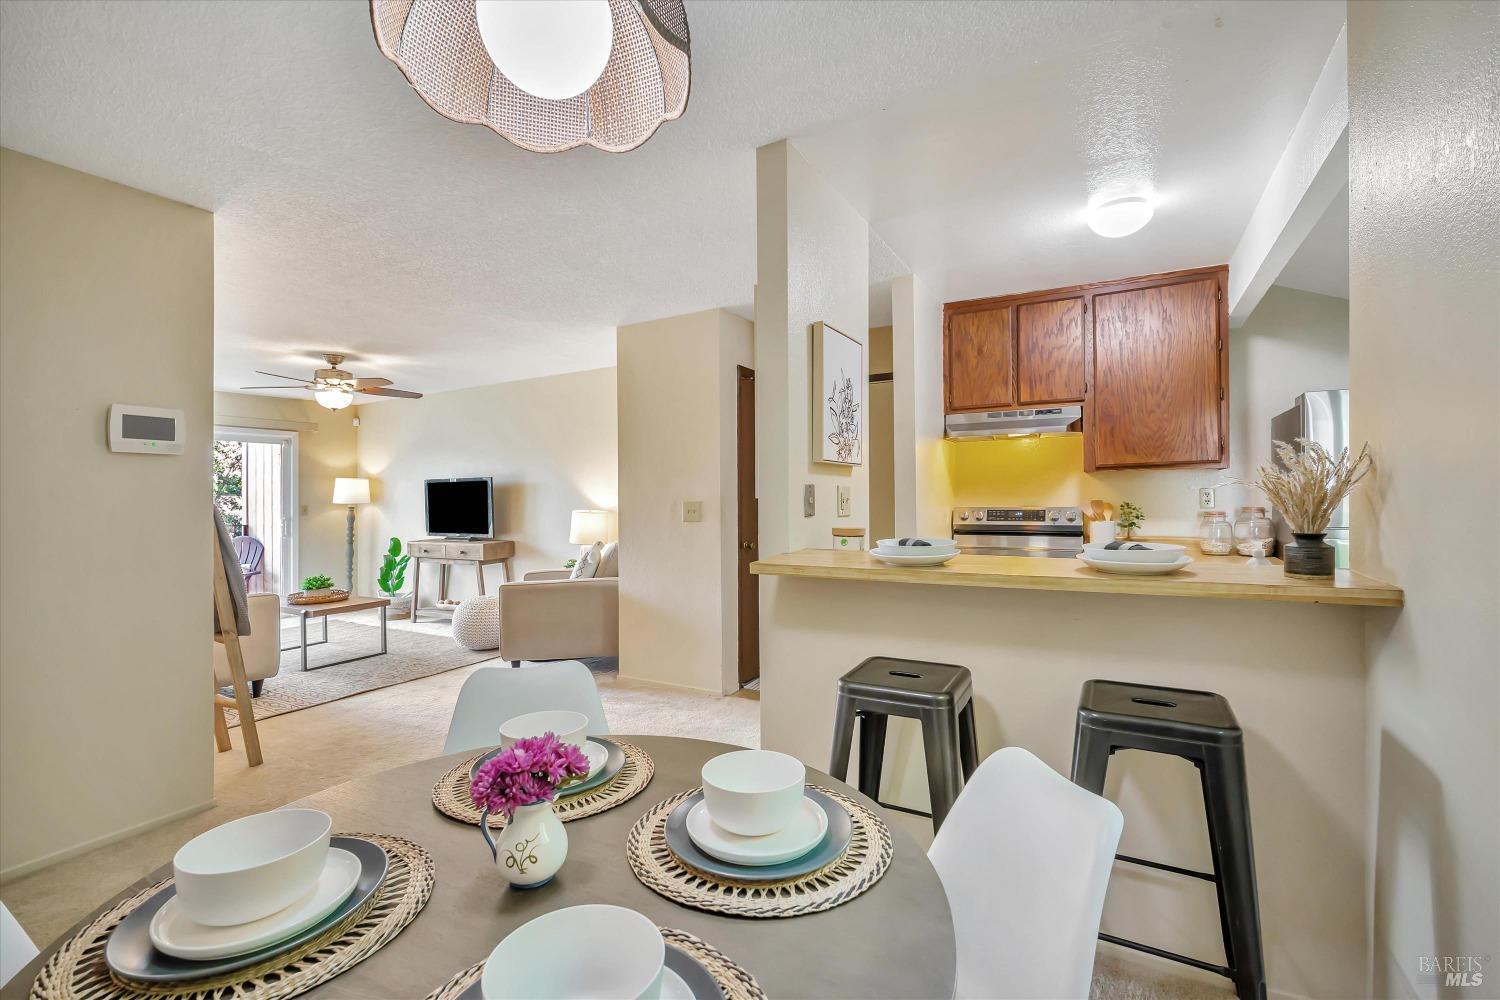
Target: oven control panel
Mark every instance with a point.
(998, 516)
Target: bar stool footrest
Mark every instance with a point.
(1171, 956)
(1160, 866)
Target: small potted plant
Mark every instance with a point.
(1307, 484)
(521, 783)
(392, 578)
(1130, 518)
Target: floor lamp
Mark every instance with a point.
(350, 493)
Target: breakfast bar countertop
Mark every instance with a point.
(1224, 577)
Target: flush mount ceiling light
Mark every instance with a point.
(546, 74)
(1120, 216)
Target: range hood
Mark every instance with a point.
(1013, 423)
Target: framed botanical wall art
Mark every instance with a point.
(839, 397)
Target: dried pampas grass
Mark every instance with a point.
(1310, 483)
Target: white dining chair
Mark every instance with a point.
(16, 948)
(491, 695)
(1025, 857)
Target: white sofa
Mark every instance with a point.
(261, 648)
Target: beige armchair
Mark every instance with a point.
(261, 648)
(546, 616)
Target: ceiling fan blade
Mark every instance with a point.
(371, 383)
(293, 378)
(378, 391)
(299, 387)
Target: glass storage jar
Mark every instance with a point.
(1252, 532)
(1215, 534)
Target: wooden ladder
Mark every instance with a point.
(224, 605)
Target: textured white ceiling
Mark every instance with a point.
(1321, 263)
(349, 216)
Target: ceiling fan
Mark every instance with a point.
(335, 388)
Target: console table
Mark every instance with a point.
(446, 552)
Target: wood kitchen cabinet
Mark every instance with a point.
(1146, 357)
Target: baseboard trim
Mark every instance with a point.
(47, 860)
(653, 682)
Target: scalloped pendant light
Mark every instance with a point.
(605, 73)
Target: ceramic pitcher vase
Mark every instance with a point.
(530, 848)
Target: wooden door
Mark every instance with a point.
(1158, 395)
(748, 531)
(980, 360)
(1049, 351)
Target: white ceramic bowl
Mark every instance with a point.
(249, 868)
(1154, 552)
(570, 727)
(753, 792)
(939, 544)
(595, 951)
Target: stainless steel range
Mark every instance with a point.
(1038, 532)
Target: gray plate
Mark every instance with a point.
(698, 979)
(130, 954)
(833, 844)
(612, 765)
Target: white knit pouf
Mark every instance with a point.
(476, 623)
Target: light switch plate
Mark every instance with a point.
(843, 501)
(809, 500)
(692, 511)
(1206, 498)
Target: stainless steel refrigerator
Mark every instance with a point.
(1323, 417)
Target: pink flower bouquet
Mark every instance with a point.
(528, 772)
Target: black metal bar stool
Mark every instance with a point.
(939, 695)
(1200, 727)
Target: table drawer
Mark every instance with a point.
(466, 550)
(430, 549)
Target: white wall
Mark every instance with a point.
(106, 295)
(325, 451)
(549, 444)
(924, 487)
(677, 418)
(881, 454)
(812, 264)
(1425, 365)
(1294, 342)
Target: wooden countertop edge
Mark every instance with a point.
(1085, 580)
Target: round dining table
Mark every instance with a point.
(895, 940)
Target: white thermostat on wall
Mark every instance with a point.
(145, 429)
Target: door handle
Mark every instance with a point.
(748, 546)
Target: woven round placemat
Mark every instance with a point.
(77, 970)
(859, 867)
(451, 794)
(736, 983)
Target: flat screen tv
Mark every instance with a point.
(460, 508)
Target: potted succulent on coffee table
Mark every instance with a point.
(317, 589)
(392, 578)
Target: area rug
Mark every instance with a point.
(410, 655)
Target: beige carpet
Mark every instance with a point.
(410, 655)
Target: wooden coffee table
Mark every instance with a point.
(352, 603)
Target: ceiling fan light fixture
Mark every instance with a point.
(546, 75)
(334, 397)
(1120, 216)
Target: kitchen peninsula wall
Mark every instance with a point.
(1294, 342)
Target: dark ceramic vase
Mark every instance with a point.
(1308, 555)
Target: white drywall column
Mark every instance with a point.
(1312, 170)
(812, 264)
(924, 495)
(1424, 361)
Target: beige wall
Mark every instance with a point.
(325, 451)
(882, 439)
(812, 265)
(1294, 342)
(106, 295)
(677, 412)
(1424, 150)
(549, 444)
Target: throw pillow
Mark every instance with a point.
(609, 560)
(587, 565)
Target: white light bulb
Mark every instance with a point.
(334, 397)
(554, 49)
(1120, 216)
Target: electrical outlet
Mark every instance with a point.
(844, 505)
(1205, 498)
(692, 511)
(809, 500)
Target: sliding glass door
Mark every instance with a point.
(255, 488)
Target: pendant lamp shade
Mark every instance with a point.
(438, 45)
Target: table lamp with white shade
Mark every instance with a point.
(588, 527)
(350, 492)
